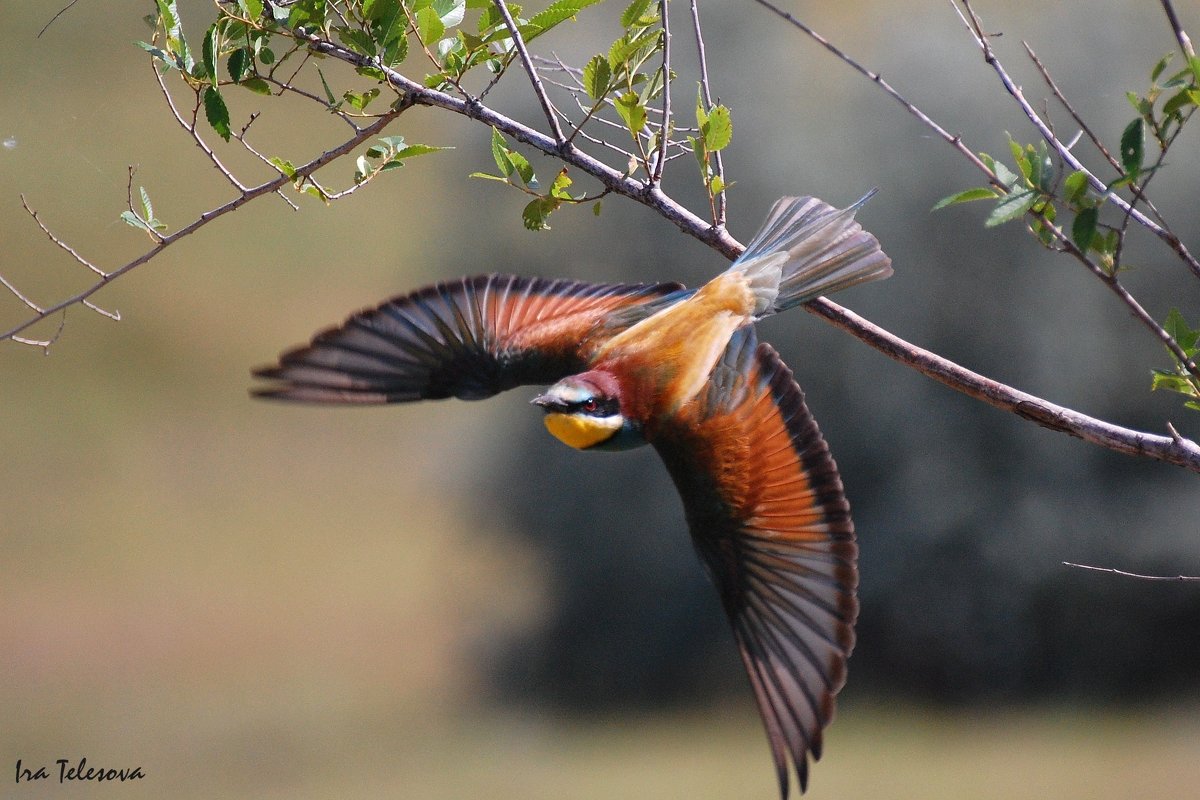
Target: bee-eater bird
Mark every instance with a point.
(681, 370)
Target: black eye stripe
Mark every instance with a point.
(596, 406)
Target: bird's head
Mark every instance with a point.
(584, 411)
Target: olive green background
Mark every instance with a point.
(250, 600)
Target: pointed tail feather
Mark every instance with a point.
(807, 248)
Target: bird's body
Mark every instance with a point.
(682, 371)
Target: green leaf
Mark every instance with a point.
(500, 155)
(134, 220)
(307, 15)
(176, 44)
(717, 129)
(284, 166)
(256, 85)
(239, 64)
(450, 12)
(147, 208)
(429, 25)
(558, 13)
(1011, 207)
(1132, 144)
(418, 150)
(524, 169)
(216, 112)
(1185, 97)
(357, 40)
(212, 44)
(328, 92)
(1177, 328)
(629, 107)
(965, 196)
(535, 214)
(1076, 185)
(634, 13)
(487, 176)
(716, 185)
(251, 9)
(360, 101)
(562, 181)
(1161, 379)
(596, 77)
(1083, 229)
(1160, 66)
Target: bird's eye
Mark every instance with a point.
(590, 405)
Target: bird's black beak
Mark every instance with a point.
(548, 403)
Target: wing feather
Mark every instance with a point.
(767, 514)
(468, 338)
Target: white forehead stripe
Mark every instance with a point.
(571, 394)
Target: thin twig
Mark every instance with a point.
(538, 89)
(191, 128)
(665, 130)
(975, 26)
(1185, 44)
(63, 245)
(718, 164)
(1111, 571)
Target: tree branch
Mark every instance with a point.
(1122, 572)
(1172, 449)
(527, 62)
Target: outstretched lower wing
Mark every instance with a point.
(765, 506)
(469, 338)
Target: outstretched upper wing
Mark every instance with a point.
(765, 506)
(468, 338)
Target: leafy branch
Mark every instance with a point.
(268, 49)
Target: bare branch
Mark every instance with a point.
(191, 129)
(1111, 571)
(538, 89)
(1185, 44)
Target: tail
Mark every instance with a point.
(808, 248)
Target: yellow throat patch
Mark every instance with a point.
(581, 432)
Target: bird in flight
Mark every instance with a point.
(681, 370)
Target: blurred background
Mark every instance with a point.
(250, 600)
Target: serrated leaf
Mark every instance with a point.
(1132, 144)
(357, 40)
(212, 41)
(1011, 207)
(216, 112)
(634, 12)
(629, 107)
(965, 196)
(596, 77)
(147, 208)
(1160, 379)
(450, 12)
(558, 13)
(1083, 229)
(718, 129)
(238, 64)
(173, 28)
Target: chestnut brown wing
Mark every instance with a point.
(468, 338)
(766, 511)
